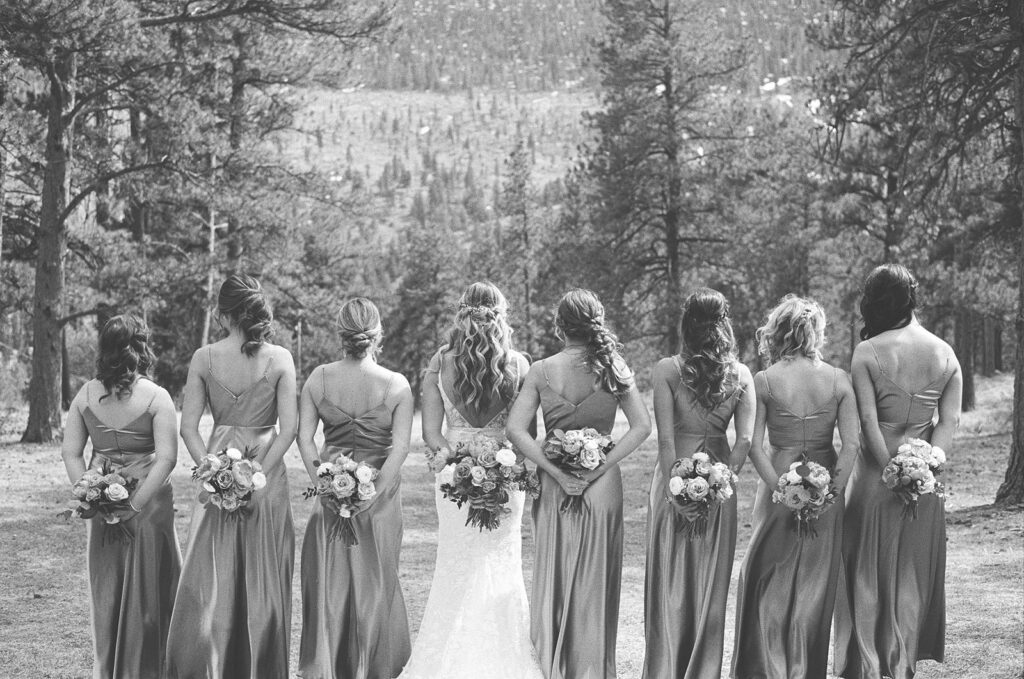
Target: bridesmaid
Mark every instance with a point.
(578, 565)
(232, 616)
(891, 612)
(131, 423)
(696, 394)
(354, 623)
(787, 585)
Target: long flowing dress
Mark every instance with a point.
(787, 586)
(476, 624)
(687, 580)
(891, 611)
(354, 622)
(578, 568)
(232, 615)
(132, 583)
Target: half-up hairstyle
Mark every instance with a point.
(359, 322)
(480, 341)
(795, 327)
(124, 354)
(888, 301)
(709, 349)
(580, 317)
(243, 303)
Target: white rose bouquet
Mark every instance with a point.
(103, 492)
(481, 473)
(697, 484)
(911, 473)
(345, 486)
(577, 450)
(806, 489)
(228, 479)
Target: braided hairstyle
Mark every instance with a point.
(580, 317)
(888, 301)
(709, 349)
(124, 354)
(480, 340)
(359, 322)
(242, 302)
(795, 327)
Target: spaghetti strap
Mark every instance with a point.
(150, 404)
(387, 388)
(835, 382)
(544, 371)
(767, 384)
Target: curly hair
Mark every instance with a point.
(709, 348)
(795, 327)
(480, 341)
(889, 299)
(242, 302)
(580, 316)
(124, 354)
(359, 321)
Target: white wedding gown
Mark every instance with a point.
(477, 621)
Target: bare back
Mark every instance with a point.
(356, 388)
(913, 358)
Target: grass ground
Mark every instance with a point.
(44, 607)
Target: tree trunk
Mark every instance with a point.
(236, 133)
(65, 371)
(964, 347)
(1012, 489)
(44, 413)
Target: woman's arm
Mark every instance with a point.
(524, 411)
(665, 414)
(743, 419)
(165, 439)
(949, 408)
(758, 457)
(72, 450)
(639, 419)
(401, 433)
(287, 410)
(192, 405)
(309, 420)
(849, 432)
(432, 413)
(864, 392)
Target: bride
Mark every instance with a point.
(476, 624)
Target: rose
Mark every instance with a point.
(724, 492)
(113, 478)
(365, 473)
(506, 457)
(344, 512)
(242, 472)
(591, 459)
(343, 485)
(116, 492)
(487, 459)
(819, 477)
(701, 457)
(683, 467)
(80, 489)
(326, 469)
(488, 486)
(804, 494)
(817, 498)
(344, 463)
(366, 491)
(702, 467)
(233, 453)
(792, 477)
(676, 485)
(463, 470)
(230, 503)
(224, 478)
(91, 476)
(917, 474)
(939, 456)
(590, 433)
(697, 489)
(478, 474)
(93, 494)
(447, 474)
(791, 499)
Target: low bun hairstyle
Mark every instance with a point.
(795, 327)
(888, 301)
(242, 302)
(709, 348)
(480, 340)
(124, 354)
(359, 322)
(580, 317)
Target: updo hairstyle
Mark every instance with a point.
(709, 348)
(243, 303)
(795, 327)
(359, 322)
(580, 317)
(124, 354)
(889, 299)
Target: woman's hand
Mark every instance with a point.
(572, 485)
(125, 514)
(688, 511)
(593, 474)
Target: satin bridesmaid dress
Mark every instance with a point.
(891, 611)
(232, 616)
(354, 622)
(578, 568)
(787, 586)
(687, 580)
(132, 584)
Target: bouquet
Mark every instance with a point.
(807, 490)
(698, 482)
(481, 473)
(345, 485)
(101, 493)
(911, 473)
(577, 450)
(228, 479)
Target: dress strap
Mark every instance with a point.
(544, 371)
(387, 388)
(150, 404)
(767, 384)
(835, 382)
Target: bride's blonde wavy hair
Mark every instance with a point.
(480, 341)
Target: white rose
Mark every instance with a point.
(697, 489)
(364, 473)
(367, 491)
(447, 475)
(214, 462)
(676, 485)
(116, 492)
(939, 455)
(348, 464)
(259, 480)
(792, 477)
(590, 459)
(345, 512)
(506, 457)
(233, 453)
(703, 467)
(701, 457)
